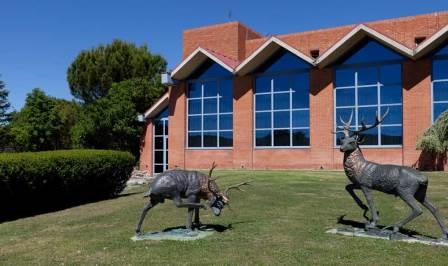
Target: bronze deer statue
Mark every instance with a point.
(402, 181)
(192, 185)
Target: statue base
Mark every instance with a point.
(178, 234)
(386, 235)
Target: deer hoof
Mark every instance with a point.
(395, 228)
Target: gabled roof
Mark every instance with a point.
(158, 106)
(432, 43)
(265, 51)
(354, 37)
(199, 56)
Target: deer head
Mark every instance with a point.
(352, 138)
(220, 199)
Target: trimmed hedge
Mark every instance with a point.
(34, 181)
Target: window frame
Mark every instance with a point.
(218, 113)
(288, 73)
(436, 58)
(378, 105)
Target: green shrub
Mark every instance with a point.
(33, 181)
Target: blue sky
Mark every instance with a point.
(40, 38)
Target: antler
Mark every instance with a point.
(237, 186)
(377, 122)
(214, 165)
(346, 125)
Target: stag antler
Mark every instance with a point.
(214, 165)
(377, 122)
(237, 186)
(346, 125)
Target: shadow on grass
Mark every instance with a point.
(20, 209)
(361, 225)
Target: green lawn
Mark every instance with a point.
(281, 219)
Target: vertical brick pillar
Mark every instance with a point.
(416, 106)
(242, 122)
(321, 118)
(146, 148)
(176, 126)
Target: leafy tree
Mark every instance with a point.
(44, 123)
(110, 122)
(93, 72)
(434, 144)
(4, 105)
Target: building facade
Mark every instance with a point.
(249, 101)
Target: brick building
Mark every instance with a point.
(249, 101)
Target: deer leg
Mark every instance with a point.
(192, 200)
(147, 207)
(351, 190)
(436, 215)
(197, 222)
(369, 197)
(179, 204)
(415, 212)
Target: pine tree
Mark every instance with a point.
(4, 104)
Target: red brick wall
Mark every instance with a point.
(146, 148)
(237, 41)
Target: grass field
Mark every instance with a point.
(281, 219)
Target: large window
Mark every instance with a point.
(282, 102)
(367, 82)
(210, 107)
(440, 82)
(160, 146)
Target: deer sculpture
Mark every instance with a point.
(192, 185)
(402, 181)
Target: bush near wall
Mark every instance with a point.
(40, 181)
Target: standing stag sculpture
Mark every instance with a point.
(402, 181)
(192, 185)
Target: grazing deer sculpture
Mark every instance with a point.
(402, 181)
(192, 185)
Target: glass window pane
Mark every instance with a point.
(194, 139)
(226, 93)
(210, 122)
(372, 51)
(166, 127)
(370, 137)
(367, 76)
(283, 60)
(225, 138)
(301, 118)
(344, 114)
(391, 136)
(225, 122)
(263, 102)
(301, 98)
(281, 137)
(390, 74)
(439, 108)
(439, 69)
(210, 106)
(282, 83)
(440, 91)
(263, 120)
(300, 137)
(158, 168)
(194, 89)
(443, 50)
(345, 97)
(281, 119)
(210, 69)
(210, 88)
(263, 138)
(158, 157)
(158, 127)
(158, 143)
(368, 96)
(262, 84)
(394, 116)
(194, 106)
(210, 139)
(391, 94)
(345, 77)
(367, 115)
(194, 122)
(281, 101)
